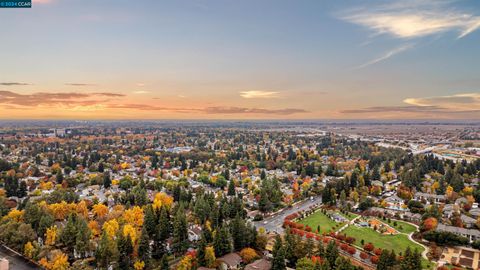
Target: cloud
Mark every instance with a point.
(467, 104)
(51, 99)
(139, 92)
(412, 19)
(208, 110)
(387, 55)
(466, 101)
(13, 83)
(79, 84)
(259, 94)
(140, 84)
(241, 110)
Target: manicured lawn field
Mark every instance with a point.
(319, 219)
(398, 242)
(402, 226)
(349, 215)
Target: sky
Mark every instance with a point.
(242, 59)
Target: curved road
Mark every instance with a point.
(274, 222)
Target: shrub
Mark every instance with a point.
(368, 247)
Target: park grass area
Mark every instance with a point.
(348, 215)
(320, 219)
(402, 226)
(397, 242)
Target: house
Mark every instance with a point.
(194, 233)
(471, 234)
(420, 196)
(468, 221)
(475, 212)
(415, 218)
(260, 264)
(230, 261)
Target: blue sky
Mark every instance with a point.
(241, 59)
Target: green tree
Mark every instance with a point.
(278, 253)
(222, 242)
(180, 231)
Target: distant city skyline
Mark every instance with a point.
(209, 59)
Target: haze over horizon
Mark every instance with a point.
(199, 59)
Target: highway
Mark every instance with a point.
(274, 222)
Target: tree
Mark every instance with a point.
(411, 260)
(100, 210)
(107, 181)
(385, 262)
(210, 257)
(144, 250)
(106, 252)
(164, 265)
(180, 231)
(69, 233)
(278, 253)
(82, 238)
(150, 221)
(222, 242)
(305, 264)
(125, 248)
(51, 236)
(231, 188)
(331, 252)
(22, 190)
(248, 255)
(186, 263)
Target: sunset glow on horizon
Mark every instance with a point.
(199, 59)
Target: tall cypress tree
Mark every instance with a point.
(278, 253)
(180, 231)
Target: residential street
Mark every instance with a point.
(274, 223)
(16, 262)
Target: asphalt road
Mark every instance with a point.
(16, 262)
(274, 223)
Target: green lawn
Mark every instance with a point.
(319, 219)
(398, 242)
(402, 226)
(349, 215)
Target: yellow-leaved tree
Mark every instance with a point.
(210, 257)
(51, 235)
(134, 216)
(139, 265)
(100, 210)
(129, 230)
(162, 199)
(111, 227)
(29, 250)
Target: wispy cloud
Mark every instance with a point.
(241, 110)
(467, 104)
(411, 19)
(140, 92)
(386, 55)
(80, 84)
(52, 99)
(259, 94)
(13, 83)
(465, 101)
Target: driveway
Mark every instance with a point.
(274, 222)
